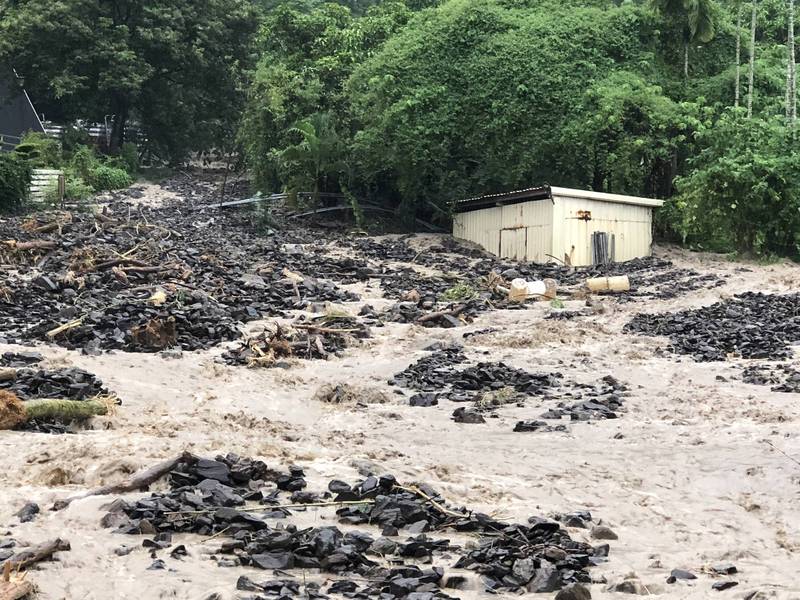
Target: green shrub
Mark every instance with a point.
(129, 156)
(15, 175)
(98, 174)
(84, 161)
(39, 150)
(75, 138)
(105, 177)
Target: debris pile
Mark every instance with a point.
(750, 325)
(101, 281)
(780, 377)
(48, 400)
(66, 384)
(308, 339)
(492, 384)
(215, 497)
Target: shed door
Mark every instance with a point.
(514, 243)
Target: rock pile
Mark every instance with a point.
(780, 377)
(66, 384)
(216, 497)
(492, 384)
(750, 325)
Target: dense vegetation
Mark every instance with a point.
(415, 103)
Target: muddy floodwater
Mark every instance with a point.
(700, 468)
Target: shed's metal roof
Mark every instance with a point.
(547, 192)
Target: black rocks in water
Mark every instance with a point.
(721, 586)
(20, 359)
(424, 399)
(431, 372)
(467, 415)
(750, 325)
(217, 496)
(498, 375)
(28, 512)
(680, 574)
(66, 384)
(493, 384)
(781, 377)
(534, 425)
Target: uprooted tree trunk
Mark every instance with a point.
(14, 412)
(25, 558)
(139, 481)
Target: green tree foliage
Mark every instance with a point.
(306, 59)
(474, 96)
(175, 66)
(314, 163)
(742, 191)
(626, 136)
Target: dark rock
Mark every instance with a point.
(601, 532)
(677, 574)
(725, 569)
(721, 586)
(467, 415)
(424, 399)
(574, 591)
(28, 512)
(273, 560)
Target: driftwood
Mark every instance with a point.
(24, 559)
(33, 245)
(15, 590)
(442, 313)
(117, 262)
(139, 481)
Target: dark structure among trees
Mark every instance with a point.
(17, 114)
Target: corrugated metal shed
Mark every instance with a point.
(545, 223)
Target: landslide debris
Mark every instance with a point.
(749, 325)
(402, 552)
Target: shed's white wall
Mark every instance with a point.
(481, 227)
(630, 224)
(533, 230)
(521, 231)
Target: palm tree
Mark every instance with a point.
(791, 70)
(737, 91)
(697, 18)
(751, 68)
(316, 158)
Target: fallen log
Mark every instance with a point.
(14, 412)
(117, 262)
(442, 313)
(24, 559)
(145, 269)
(64, 410)
(15, 590)
(139, 481)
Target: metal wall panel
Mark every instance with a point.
(523, 231)
(481, 227)
(630, 224)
